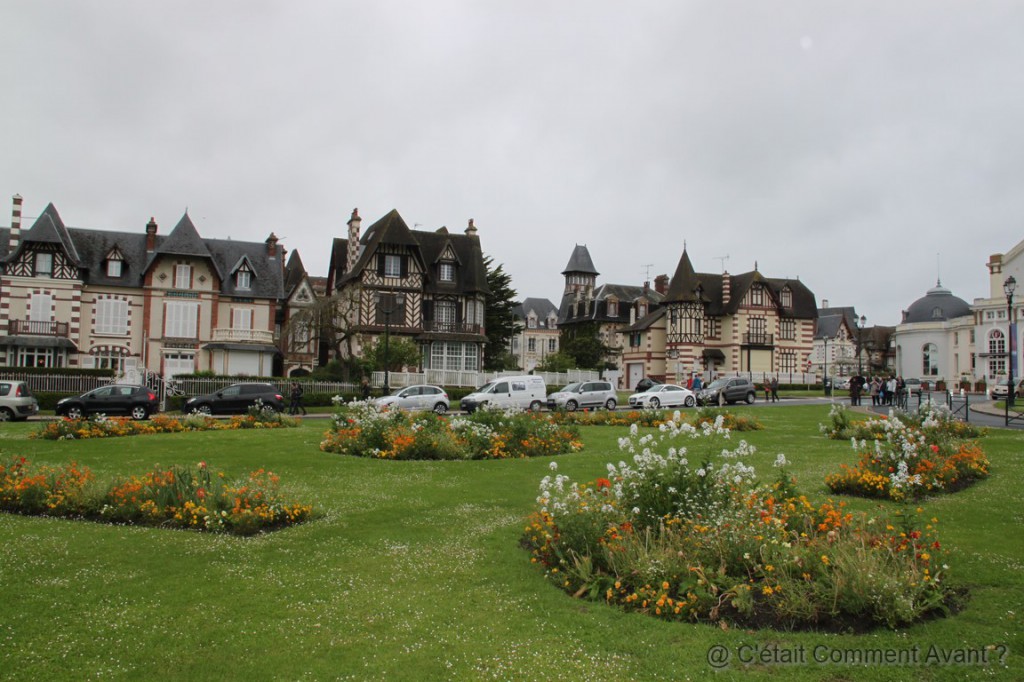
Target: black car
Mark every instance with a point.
(236, 399)
(138, 402)
(645, 384)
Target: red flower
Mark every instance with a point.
(935, 448)
(603, 483)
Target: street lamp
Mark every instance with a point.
(860, 343)
(1008, 288)
(397, 301)
(824, 373)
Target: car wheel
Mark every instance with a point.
(535, 406)
(139, 413)
(204, 409)
(750, 398)
(440, 408)
(570, 406)
(655, 403)
(6, 415)
(690, 401)
(610, 405)
(74, 413)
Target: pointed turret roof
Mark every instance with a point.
(49, 228)
(580, 262)
(685, 286)
(184, 240)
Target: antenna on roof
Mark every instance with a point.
(647, 271)
(723, 259)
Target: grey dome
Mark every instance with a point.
(938, 305)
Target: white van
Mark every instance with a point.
(525, 392)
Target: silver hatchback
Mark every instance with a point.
(584, 395)
(16, 401)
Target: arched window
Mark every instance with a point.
(996, 353)
(930, 360)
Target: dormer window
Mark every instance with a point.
(243, 278)
(182, 276)
(613, 307)
(392, 265)
(446, 272)
(641, 309)
(44, 264)
(787, 298)
(114, 267)
(531, 322)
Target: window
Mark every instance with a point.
(641, 310)
(390, 309)
(392, 265)
(997, 353)
(182, 276)
(787, 361)
(111, 316)
(109, 359)
(531, 345)
(114, 267)
(444, 315)
(241, 318)
(756, 296)
(44, 264)
(712, 327)
(787, 298)
(446, 272)
(613, 307)
(454, 356)
(40, 313)
(930, 360)
(243, 279)
(531, 321)
(552, 345)
(180, 319)
(787, 329)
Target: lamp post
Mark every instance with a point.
(397, 300)
(824, 373)
(1009, 286)
(860, 343)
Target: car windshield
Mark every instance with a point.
(718, 383)
(571, 388)
(486, 387)
(396, 391)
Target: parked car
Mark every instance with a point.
(527, 392)
(663, 395)
(413, 398)
(584, 394)
(16, 401)
(138, 402)
(645, 384)
(236, 399)
(732, 390)
(840, 383)
(1000, 390)
(913, 387)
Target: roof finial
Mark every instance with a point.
(938, 269)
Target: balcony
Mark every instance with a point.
(244, 335)
(452, 327)
(757, 339)
(33, 328)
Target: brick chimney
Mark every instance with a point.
(726, 288)
(471, 228)
(151, 235)
(661, 284)
(353, 240)
(271, 245)
(824, 303)
(15, 236)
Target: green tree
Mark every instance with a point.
(498, 320)
(402, 352)
(557, 362)
(582, 342)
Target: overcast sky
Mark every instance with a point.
(860, 146)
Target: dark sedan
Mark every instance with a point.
(138, 402)
(237, 399)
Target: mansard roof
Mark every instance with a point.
(580, 262)
(541, 307)
(596, 309)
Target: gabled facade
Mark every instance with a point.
(131, 300)
(297, 319)
(715, 324)
(536, 332)
(835, 342)
(426, 286)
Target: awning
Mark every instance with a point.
(37, 342)
(713, 354)
(251, 347)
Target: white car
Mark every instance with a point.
(1000, 390)
(663, 395)
(412, 398)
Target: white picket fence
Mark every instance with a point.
(440, 377)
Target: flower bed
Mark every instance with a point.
(359, 429)
(114, 427)
(933, 418)
(654, 418)
(705, 541)
(178, 497)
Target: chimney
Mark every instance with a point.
(661, 284)
(151, 235)
(15, 237)
(647, 286)
(726, 288)
(353, 240)
(271, 245)
(824, 303)
(471, 228)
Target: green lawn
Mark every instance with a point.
(413, 572)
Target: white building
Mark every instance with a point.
(991, 329)
(935, 339)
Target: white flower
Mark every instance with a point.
(553, 466)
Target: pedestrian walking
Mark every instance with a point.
(296, 396)
(775, 389)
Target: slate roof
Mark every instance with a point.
(597, 309)
(425, 246)
(938, 305)
(580, 261)
(294, 273)
(646, 321)
(89, 249)
(541, 307)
